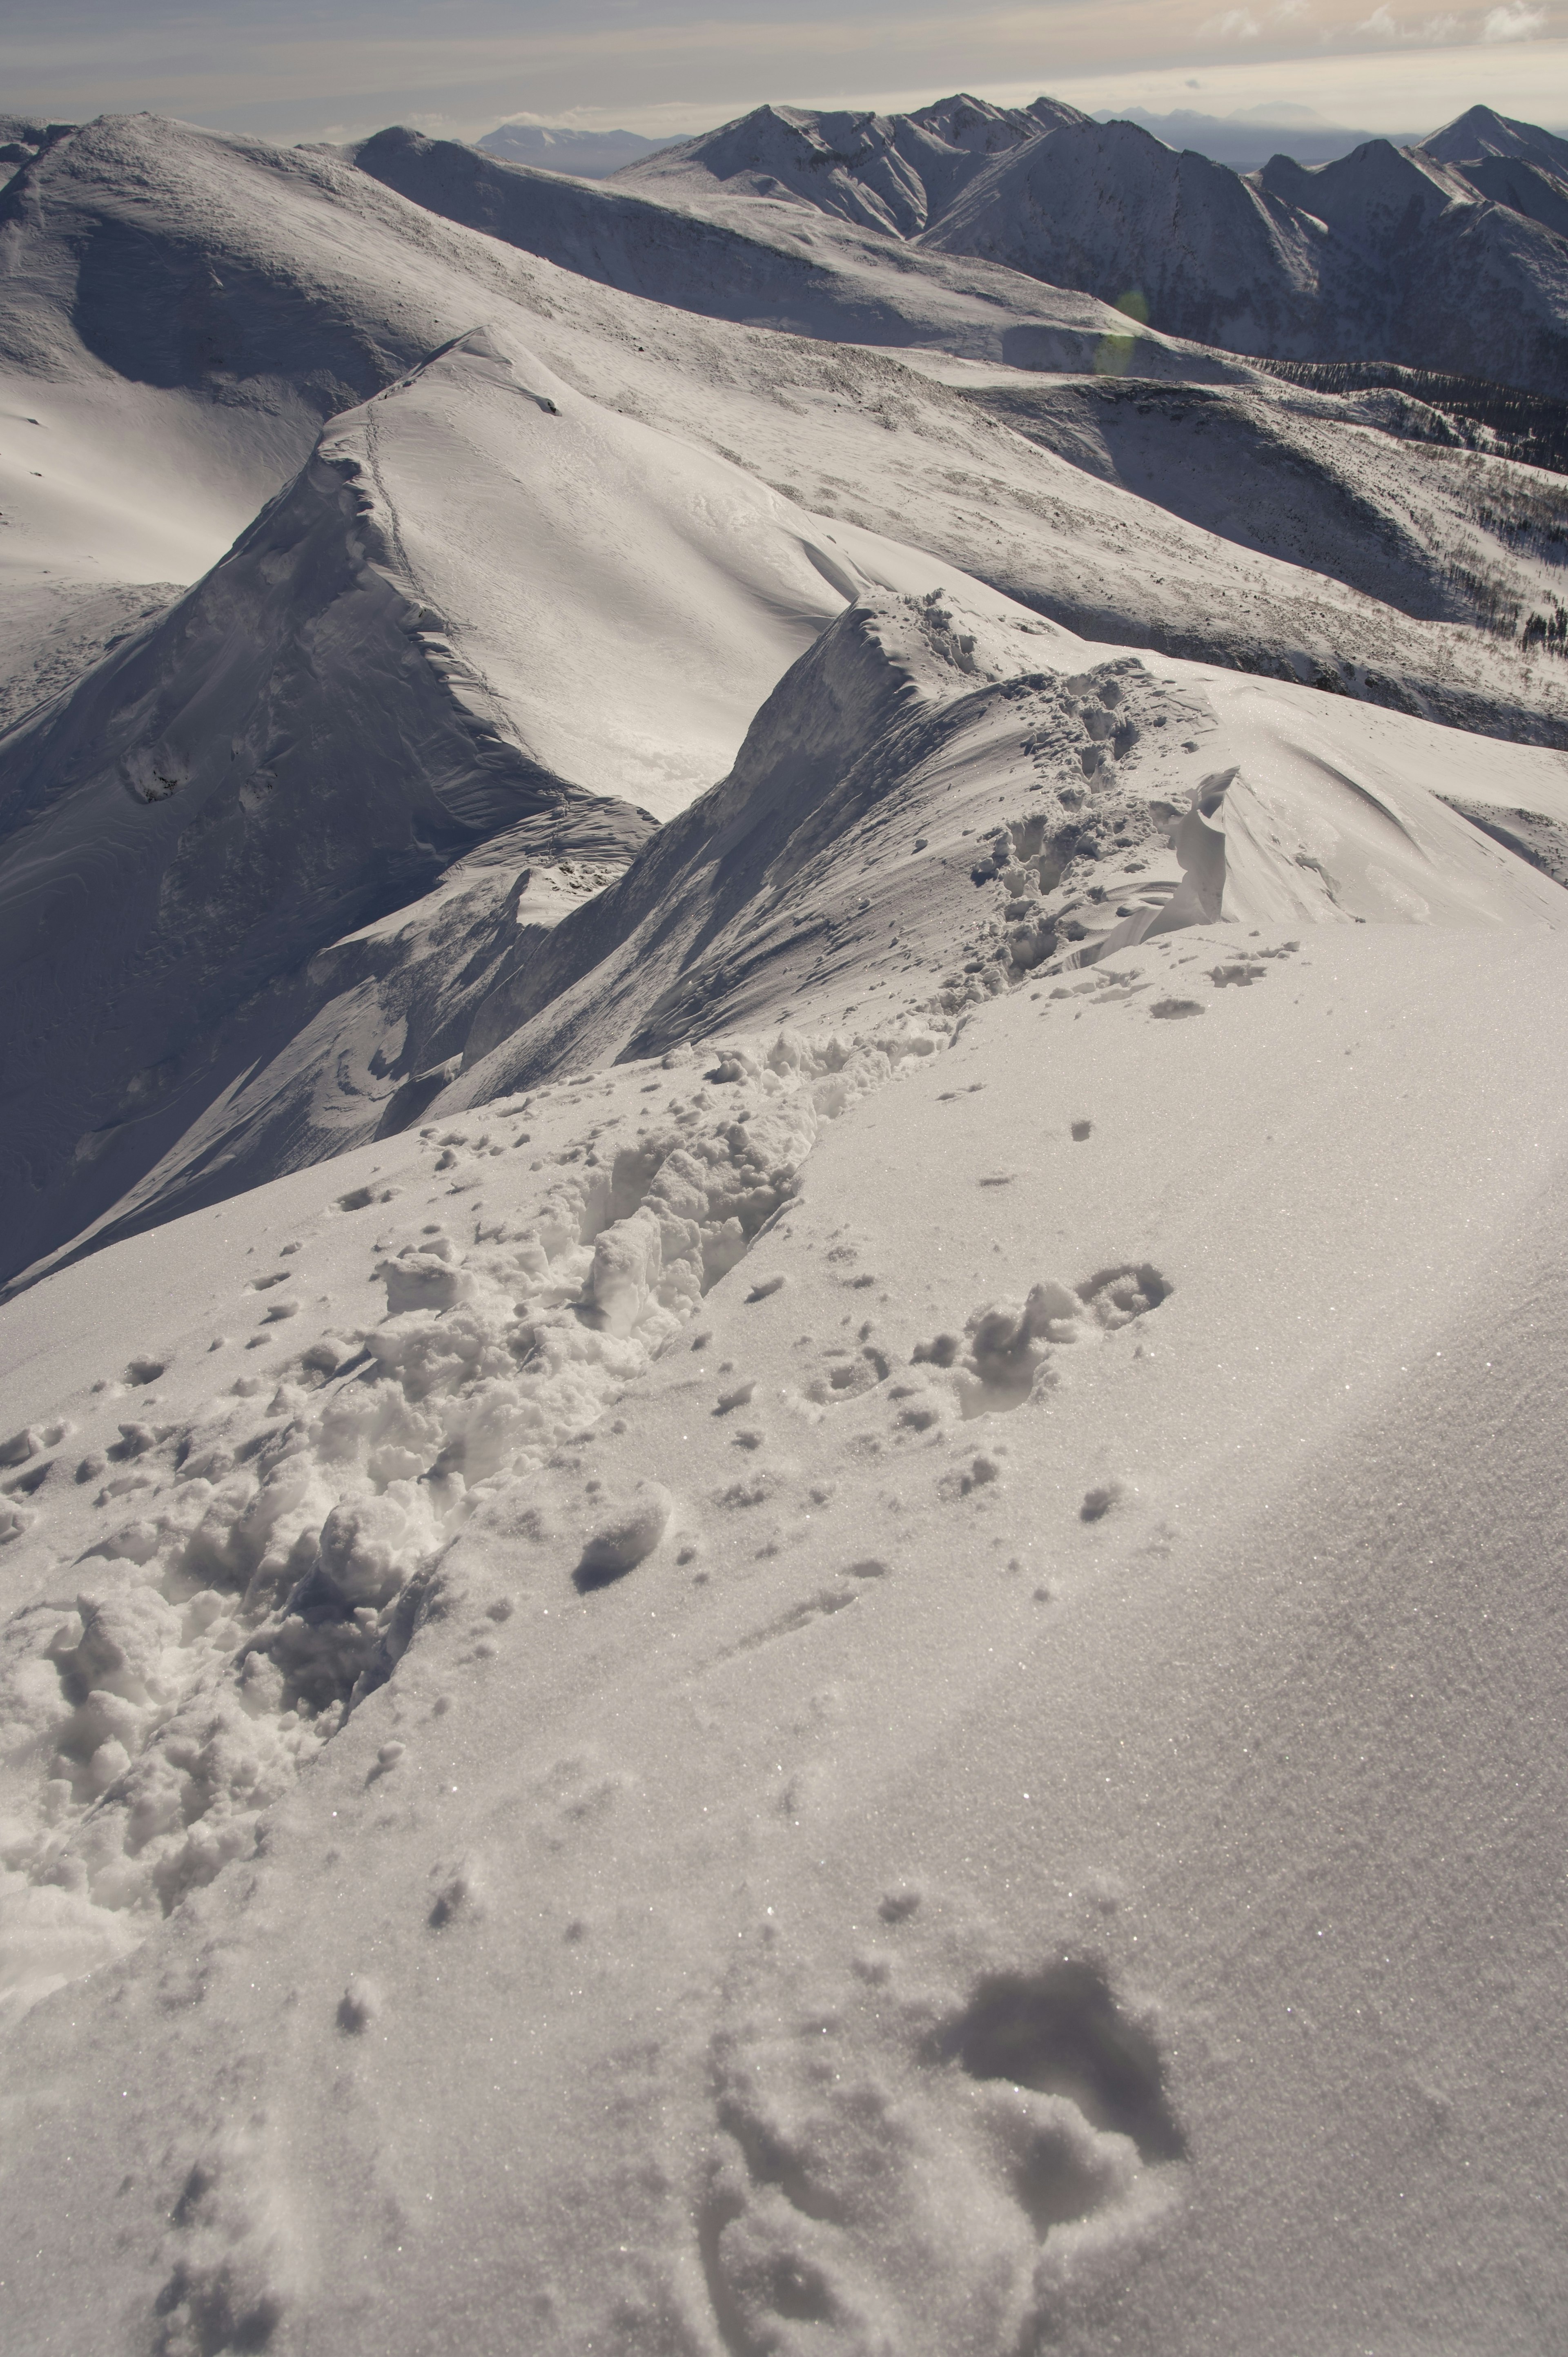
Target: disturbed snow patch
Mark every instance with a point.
(200, 1655)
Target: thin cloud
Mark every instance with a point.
(1516, 22)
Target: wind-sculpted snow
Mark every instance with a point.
(917, 787)
(486, 605)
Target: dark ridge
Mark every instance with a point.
(1530, 428)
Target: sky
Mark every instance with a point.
(339, 68)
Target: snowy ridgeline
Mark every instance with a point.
(913, 816)
(778, 1419)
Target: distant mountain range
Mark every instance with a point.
(1451, 253)
(1247, 139)
(586, 155)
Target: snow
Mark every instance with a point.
(1152, 1699)
(780, 1524)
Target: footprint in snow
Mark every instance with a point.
(902, 2167)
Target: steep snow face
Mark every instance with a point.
(485, 605)
(1386, 252)
(1106, 207)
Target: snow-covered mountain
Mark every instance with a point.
(780, 1522)
(1401, 253)
(1479, 135)
(893, 172)
(1282, 530)
(808, 270)
(1388, 251)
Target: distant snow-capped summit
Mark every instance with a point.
(1479, 133)
(893, 172)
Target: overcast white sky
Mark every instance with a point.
(293, 71)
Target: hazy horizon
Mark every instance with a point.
(664, 68)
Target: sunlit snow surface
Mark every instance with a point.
(786, 1585)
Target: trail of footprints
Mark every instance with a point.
(172, 1685)
(276, 1569)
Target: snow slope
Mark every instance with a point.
(1367, 488)
(350, 268)
(879, 1682)
(487, 605)
(812, 271)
